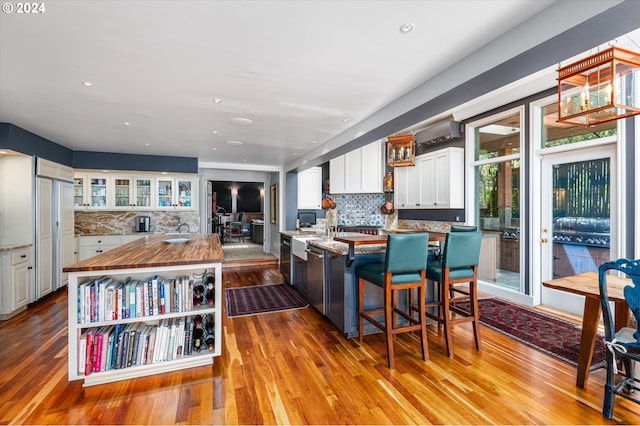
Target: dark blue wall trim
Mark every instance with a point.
(17, 139)
(142, 163)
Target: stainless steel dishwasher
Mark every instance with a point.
(315, 278)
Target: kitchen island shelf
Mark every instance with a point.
(140, 260)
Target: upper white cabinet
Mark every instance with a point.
(91, 192)
(358, 171)
(16, 199)
(134, 192)
(435, 182)
(131, 192)
(310, 189)
(176, 193)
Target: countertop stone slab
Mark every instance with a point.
(9, 247)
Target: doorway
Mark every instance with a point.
(576, 211)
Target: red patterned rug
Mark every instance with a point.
(261, 299)
(553, 336)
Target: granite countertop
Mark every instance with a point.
(9, 247)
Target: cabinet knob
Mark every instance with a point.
(29, 267)
(23, 256)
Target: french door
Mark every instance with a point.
(576, 218)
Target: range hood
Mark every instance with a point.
(438, 133)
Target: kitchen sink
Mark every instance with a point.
(299, 245)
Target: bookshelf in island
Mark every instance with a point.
(151, 306)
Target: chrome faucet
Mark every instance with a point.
(180, 225)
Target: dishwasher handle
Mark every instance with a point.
(318, 254)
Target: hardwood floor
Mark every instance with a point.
(294, 368)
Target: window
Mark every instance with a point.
(497, 145)
(555, 134)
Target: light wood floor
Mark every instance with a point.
(295, 368)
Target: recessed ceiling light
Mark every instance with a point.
(239, 121)
(164, 173)
(345, 120)
(214, 131)
(314, 141)
(147, 144)
(217, 100)
(127, 123)
(244, 159)
(87, 84)
(406, 28)
(105, 171)
(295, 153)
(233, 143)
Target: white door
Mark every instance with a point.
(45, 233)
(577, 211)
(66, 228)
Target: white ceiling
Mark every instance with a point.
(303, 72)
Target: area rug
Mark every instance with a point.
(261, 299)
(553, 336)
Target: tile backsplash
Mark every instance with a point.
(359, 210)
(124, 222)
(364, 210)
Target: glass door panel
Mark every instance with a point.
(165, 193)
(122, 192)
(78, 192)
(143, 193)
(184, 194)
(98, 191)
(575, 218)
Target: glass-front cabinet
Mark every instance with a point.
(122, 192)
(143, 192)
(175, 193)
(78, 192)
(90, 192)
(134, 192)
(131, 193)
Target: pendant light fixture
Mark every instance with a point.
(602, 87)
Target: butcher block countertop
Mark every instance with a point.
(152, 251)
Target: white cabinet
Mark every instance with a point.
(16, 200)
(337, 176)
(435, 182)
(91, 246)
(91, 192)
(134, 192)
(310, 189)
(16, 272)
(176, 193)
(55, 226)
(358, 171)
(157, 342)
(131, 193)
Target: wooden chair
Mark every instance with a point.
(623, 344)
(235, 227)
(403, 269)
(459, 265)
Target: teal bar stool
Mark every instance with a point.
(459, 265)
(404, 268)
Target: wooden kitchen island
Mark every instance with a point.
(139, 290)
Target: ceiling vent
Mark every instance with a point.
(438, 133)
